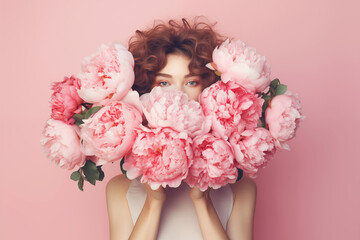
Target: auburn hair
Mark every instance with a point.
(151, 47)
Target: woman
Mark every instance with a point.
(176, 54)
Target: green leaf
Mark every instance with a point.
(78, 122)
(274, 83)
(81, 184)
(91, 111)
(91, 172)
(264, 124)
(102, 175)
(95, 109)
(78, 116)
(75, 176)
(91, 179)
(89, 165)
(240, 174)
(273, 91)
(281, 89)
(85, 115)
(266, 98)
(265, 105)
(121, 165)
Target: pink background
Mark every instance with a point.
(311, 192)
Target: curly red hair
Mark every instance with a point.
(150, 48)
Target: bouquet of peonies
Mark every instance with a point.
(255, 115)
(234, 129)
(93, 115)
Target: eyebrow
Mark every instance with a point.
(170, 76)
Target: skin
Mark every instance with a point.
(240, 223)
(176, 73)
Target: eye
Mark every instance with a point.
(193, 83)
(162, 84)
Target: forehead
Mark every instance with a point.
(176, 64)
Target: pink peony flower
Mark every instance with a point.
(132, 98)
(230, 109)
(61, 144)
(283, 116)
(107, 75)
(213, 163)
(110, 132)
(65, 101)
(169, 107)
(162, 156)
(253, 149)
(240, 63)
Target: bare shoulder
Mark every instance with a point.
(120, 221)
(118, 184)
(246, 186)
(240, 223)
(116, 190)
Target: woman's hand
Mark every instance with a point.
(148, 222)
(196, 193)
(158, 194)
(209, 221)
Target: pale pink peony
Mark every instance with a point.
(107, 75)
(169, 107)
(240, 63)
(110, 132)
(230, 109)
(65, 101)
(283, 116)
(253, 149)
(162, 156)
(132, 98)
(61, 144)
(213, 165)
